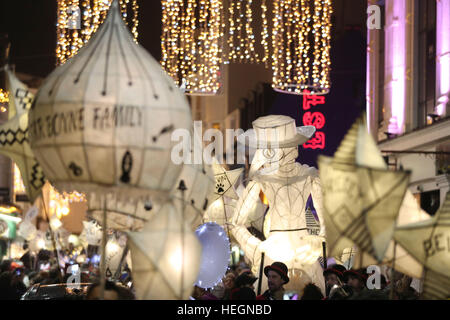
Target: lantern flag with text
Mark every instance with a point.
(165, 256)
(429, 242)
(362, 198)
(102, 122)
(410, 212)
(199, 181)
(14, 136)
(215, 254)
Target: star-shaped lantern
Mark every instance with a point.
(361, 197)
(14, 141)
(429, 242)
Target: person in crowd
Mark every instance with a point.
(277, 277)
(356, 280)
(229, 284)
(244, 287)
(11, 283)
(403, 289)
(5, 265)
(54, 276)
(112, 291)
(312, 292)
(334, 276)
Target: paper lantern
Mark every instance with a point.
(114, 252)
(215, 255)
(429, 242)
(14, 136)
(92, 233)
(102, 122)
(286, 186)
(198, 178)
(166, 257)
(220, 210)
(410, 212)
(362, 198)
(27, 230)
(122, 214)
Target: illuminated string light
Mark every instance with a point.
(59, 203)
(241, 39)
(4, 99)
(301, 46)
(265, 34)
(191, 44)
(78, 20)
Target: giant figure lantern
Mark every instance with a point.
(362, 198)
(287, 186)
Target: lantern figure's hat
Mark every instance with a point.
(276, 131)
(102, 122)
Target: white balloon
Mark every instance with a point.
(215, 255)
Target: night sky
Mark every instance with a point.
(31, 29)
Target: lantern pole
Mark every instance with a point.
(226, 222)
(391, 296)
(103, 256)
(182, 187)
(52, 235)
(324, 247)
(261, 267)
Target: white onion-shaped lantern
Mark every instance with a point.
(215, 256)
(106, 116)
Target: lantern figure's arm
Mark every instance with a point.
(246, 203)
(249, 244)
(317, 196)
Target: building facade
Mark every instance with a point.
(408, 89)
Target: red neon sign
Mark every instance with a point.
(316, 119)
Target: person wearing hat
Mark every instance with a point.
(334, 275)
(356, 280)
(287, 186)
(244, 287)
(277, 277)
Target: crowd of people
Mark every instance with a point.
(341, 284)
(17, 276)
